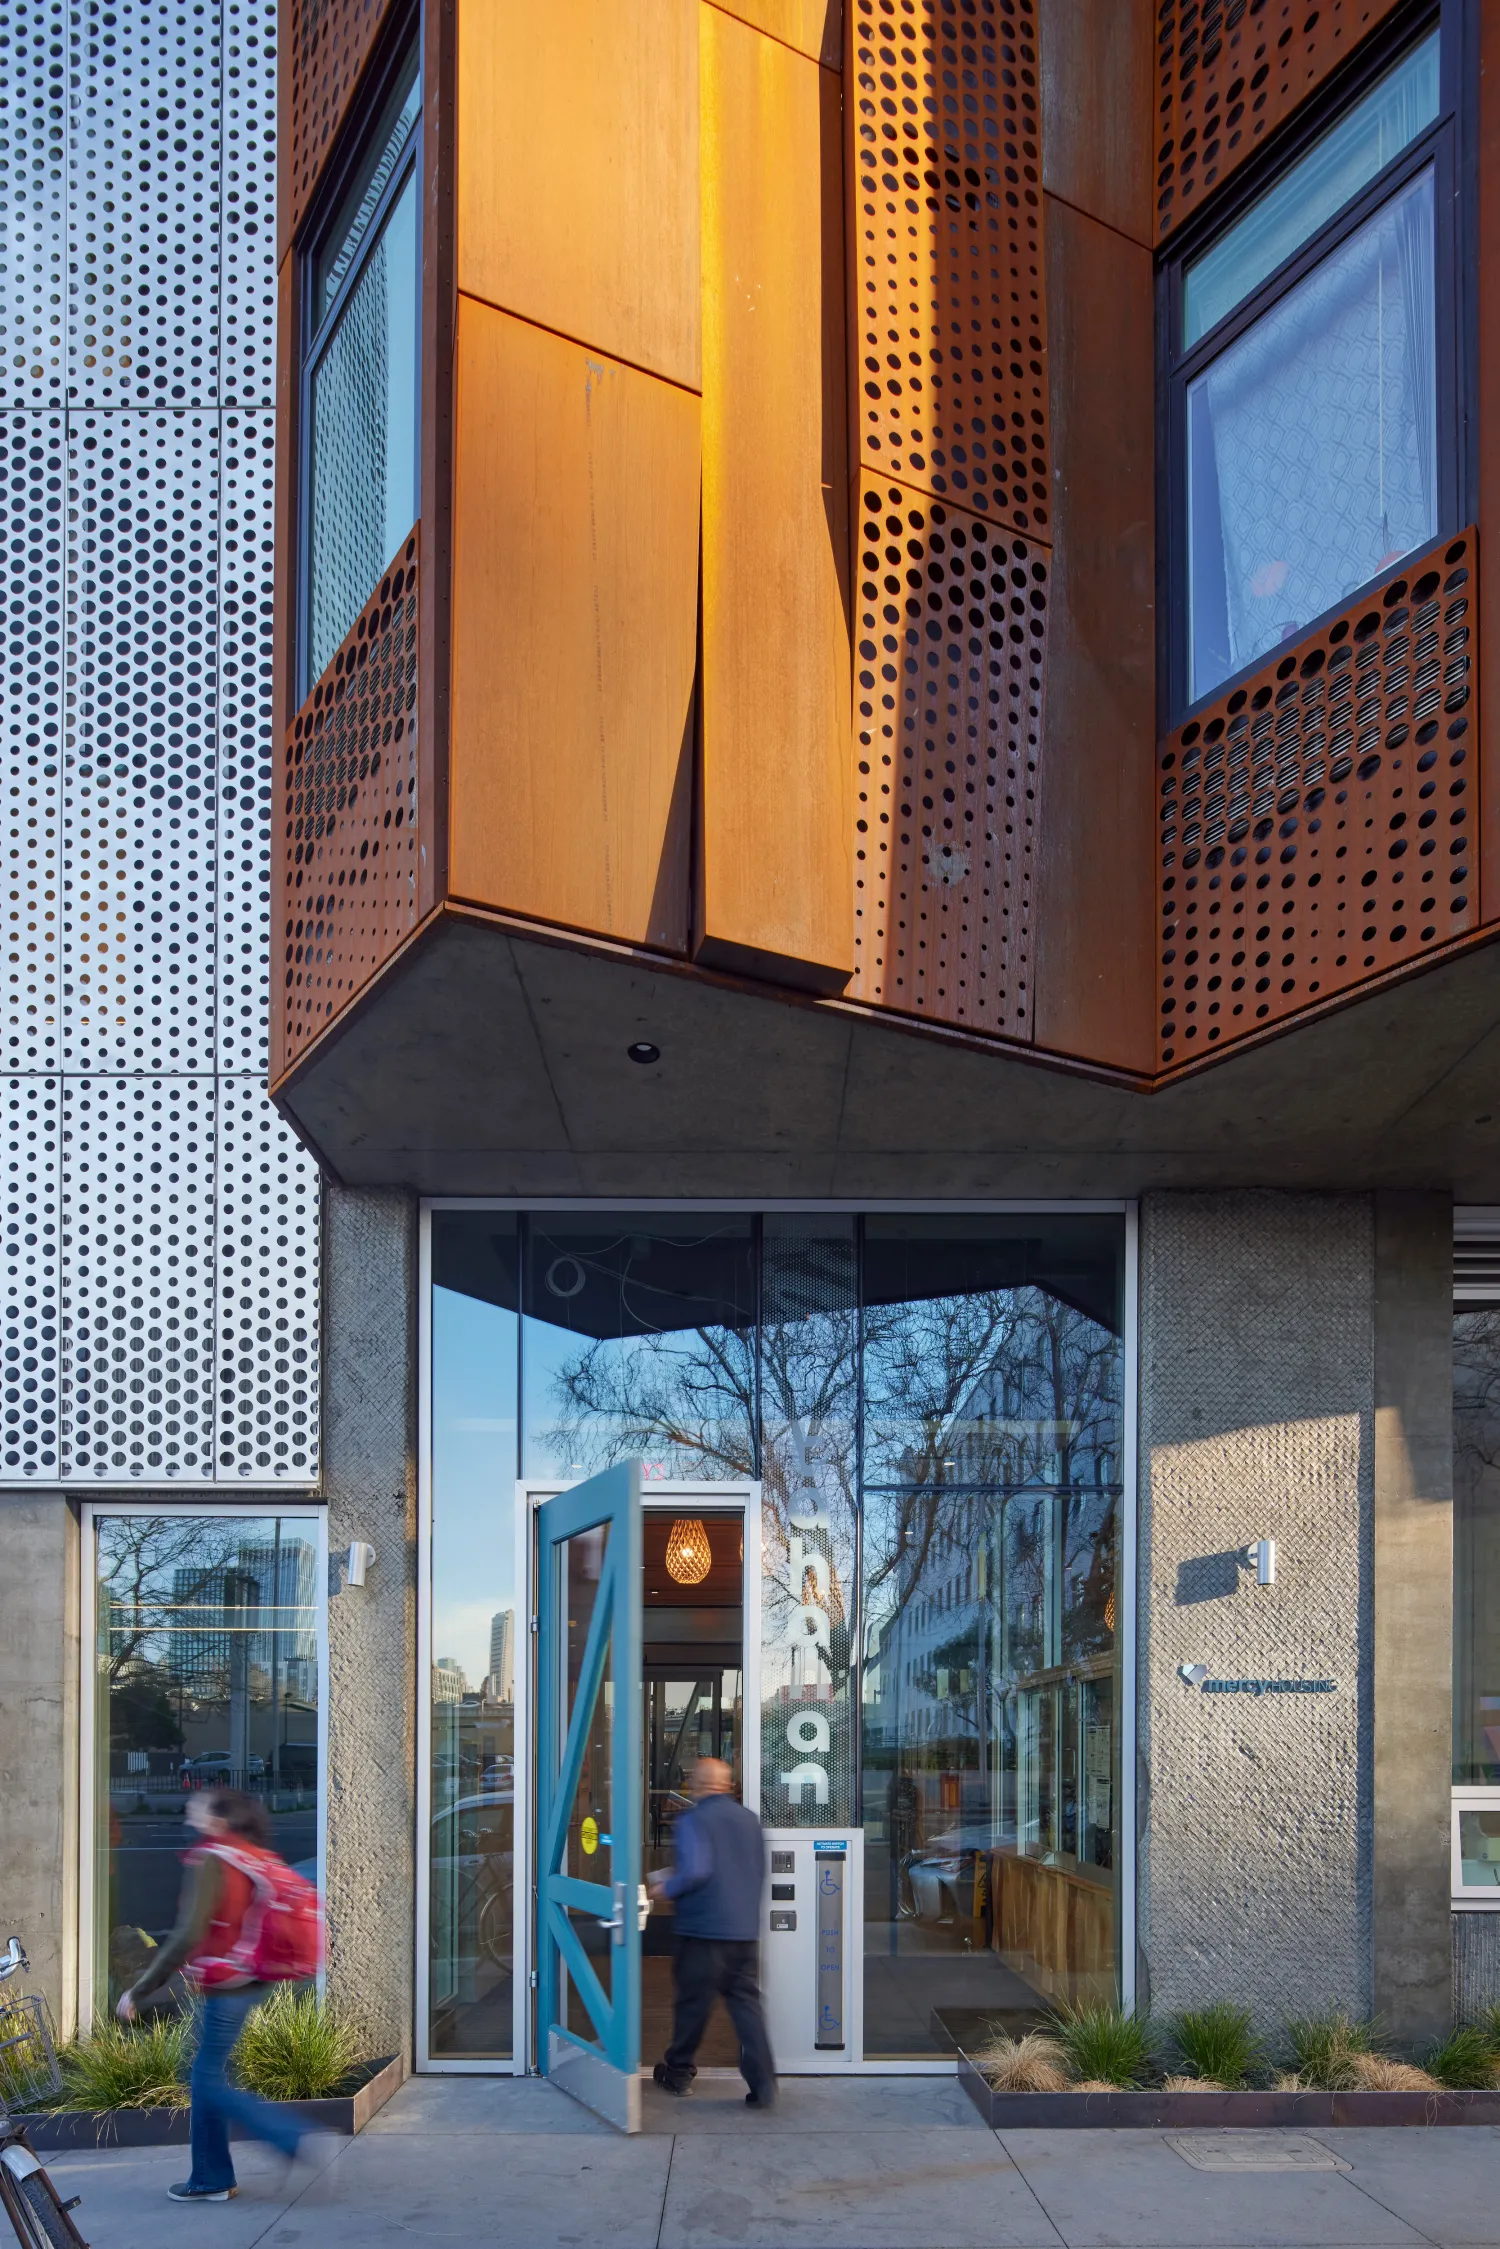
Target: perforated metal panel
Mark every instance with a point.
(1228, 72)
(349, 823)
(144, 156)
(33, 156)
(137, 1266)
(332, 43)
(948, 241)
(948, 708)
(32, 468)
(1318, 823)
(141, 740)
(31, 1119)
(160, 1238)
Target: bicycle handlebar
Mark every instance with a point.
(13, 1961)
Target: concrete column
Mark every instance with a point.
(1257, 1410)
(1413, 1653)
(369, 1476)
(39, 1665)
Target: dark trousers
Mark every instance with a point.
(217, 2104)
(707, 1967)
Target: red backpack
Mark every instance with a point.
(281, 1935)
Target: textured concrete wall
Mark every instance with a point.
(1413, 1645)
(39, 1740)
(369, 1476)
(1257, 1397)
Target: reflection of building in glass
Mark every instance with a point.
(502, 1679)
(268, 1593)
(448, 1681)
(349, 443)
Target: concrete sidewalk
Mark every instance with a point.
(876, 2163)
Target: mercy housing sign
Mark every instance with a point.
(1196, 1675)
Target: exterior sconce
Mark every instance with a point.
(1263, 1554)
(361, 1556)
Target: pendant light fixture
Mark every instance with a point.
(688, 1555)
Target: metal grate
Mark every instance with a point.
(160, 1229)
(948, 220)
(952, 630)
(332, 40)
(1317, 823)
(1228, 73)
(350, 812)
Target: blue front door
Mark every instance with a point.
(589, 1792)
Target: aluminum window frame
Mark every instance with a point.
(1444, 146)
(1127, 1888)
(315, 332)
(91, 1512)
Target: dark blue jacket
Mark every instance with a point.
(719, 1873)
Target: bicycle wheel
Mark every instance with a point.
(31, 2204)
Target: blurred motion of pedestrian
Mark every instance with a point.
(246, 1922)
(716, 1886)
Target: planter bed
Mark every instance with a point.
(168, 2127)
(1176, 2112)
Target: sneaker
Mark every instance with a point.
(187, 2192)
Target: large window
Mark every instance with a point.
(207, 1672)
(1314, 370)
(933, 1406)
(360, 318)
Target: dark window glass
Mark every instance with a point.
(362, 402)
(1476, 1547)
(639, 1344)
(476, 1633)
(206, 1675)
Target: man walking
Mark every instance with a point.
(715, 1887)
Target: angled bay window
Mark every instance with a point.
(1311, 337)
(361, 295)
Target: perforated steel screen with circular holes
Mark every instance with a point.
(160, 1224)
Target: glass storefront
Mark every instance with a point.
(207, 1673)
(933, 1405)
(1476, 1547)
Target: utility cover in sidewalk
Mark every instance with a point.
(1254, 2151)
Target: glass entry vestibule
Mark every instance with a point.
(893, 1445)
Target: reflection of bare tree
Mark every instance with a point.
(1476, 1394)
(149, 1564)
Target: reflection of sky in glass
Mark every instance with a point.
(474, 1471)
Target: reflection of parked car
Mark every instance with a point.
(939, 1878)
(213, 1770)
(473, 1873)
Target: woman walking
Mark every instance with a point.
(232, 1871)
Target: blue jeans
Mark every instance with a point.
(217, 2104)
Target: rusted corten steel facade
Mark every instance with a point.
(790, 547)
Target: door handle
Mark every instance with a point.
(616, 1922)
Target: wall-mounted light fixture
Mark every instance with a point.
(361, 1558)
(1263, 1554)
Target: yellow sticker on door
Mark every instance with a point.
(589, 1836)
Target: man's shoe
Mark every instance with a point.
(678, 2087)
(760, 2100)
(187, 2192)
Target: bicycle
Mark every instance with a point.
(29, 2071)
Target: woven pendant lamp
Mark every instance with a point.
(688, 1556)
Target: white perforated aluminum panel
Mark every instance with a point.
(144, 156)
(161, 1224)
(33, 156)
